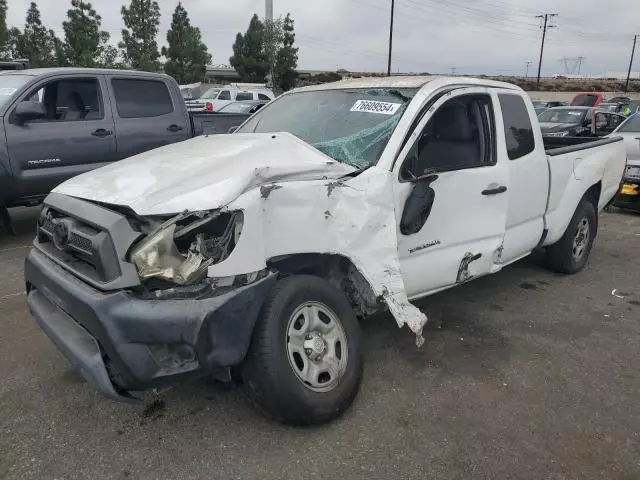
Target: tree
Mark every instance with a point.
(187, 56)
(4, 31)
(108, 54)
(35, 43)
(139, 46)
(284, 71)
(59, 52)
(85, 44)
(250, 59)
(9, 37)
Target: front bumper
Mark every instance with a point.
(629, 196)
(122, 343)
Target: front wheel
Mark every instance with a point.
(305, 362)
(571, 252)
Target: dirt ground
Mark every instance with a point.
(525, 375)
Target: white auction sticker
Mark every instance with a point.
(371, 106)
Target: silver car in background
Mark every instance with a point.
(629, 130)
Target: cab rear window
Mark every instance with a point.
(518, 131)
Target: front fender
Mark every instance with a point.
(353, 217)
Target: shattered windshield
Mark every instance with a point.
(351, 126)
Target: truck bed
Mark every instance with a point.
(216, 123)
(576, 165)
(560, 145)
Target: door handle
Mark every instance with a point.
(494, 190)
(101, 132)
(174, 128)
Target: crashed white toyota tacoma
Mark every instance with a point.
(251, 256)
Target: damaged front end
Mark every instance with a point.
(174, 322)
(173, 259)
(181, 250)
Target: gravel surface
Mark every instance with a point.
(524, 375)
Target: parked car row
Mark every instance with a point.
(578, 122)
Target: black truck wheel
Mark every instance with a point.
(305, 362)
(571, 253)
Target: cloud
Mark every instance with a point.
(485, 36)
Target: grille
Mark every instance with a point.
(81, 243)
(81, 248)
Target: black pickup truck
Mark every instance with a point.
(61, 122)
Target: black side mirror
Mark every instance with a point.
(28, 110)
(233, 129)
(418, 206)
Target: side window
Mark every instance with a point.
(518, 131)
(262, 96)
(141, 98)
(69, 100)
(224, 95)
(243, 96)
(458, 136)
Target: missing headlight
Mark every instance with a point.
(183, 248)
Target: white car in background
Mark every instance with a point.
(216, 98)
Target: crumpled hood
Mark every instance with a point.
(204, 173)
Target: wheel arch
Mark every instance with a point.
(565, 214)
(336, 269)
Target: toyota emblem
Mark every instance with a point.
(61, 233)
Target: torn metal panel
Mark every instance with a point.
(464, 274)
(361, 226)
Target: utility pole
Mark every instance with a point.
(526, 75)
(268, 10)
(545, 27)
(580, 60)
(393, 4)
(633, 52)
(453, 70)
(268, 17)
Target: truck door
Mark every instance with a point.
(148, 114)
(75, 136)
(451, 197)
(523, 149)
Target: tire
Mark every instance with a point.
(570, 254)
(273, 373)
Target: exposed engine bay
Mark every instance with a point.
(181, 249)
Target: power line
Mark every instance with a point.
(545, 27)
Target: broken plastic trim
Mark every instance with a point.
(181, 253)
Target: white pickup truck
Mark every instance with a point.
(250, 256)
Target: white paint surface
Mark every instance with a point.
(297, 200)
(204, 173)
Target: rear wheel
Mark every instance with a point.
(571, 253)
(305, 362)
